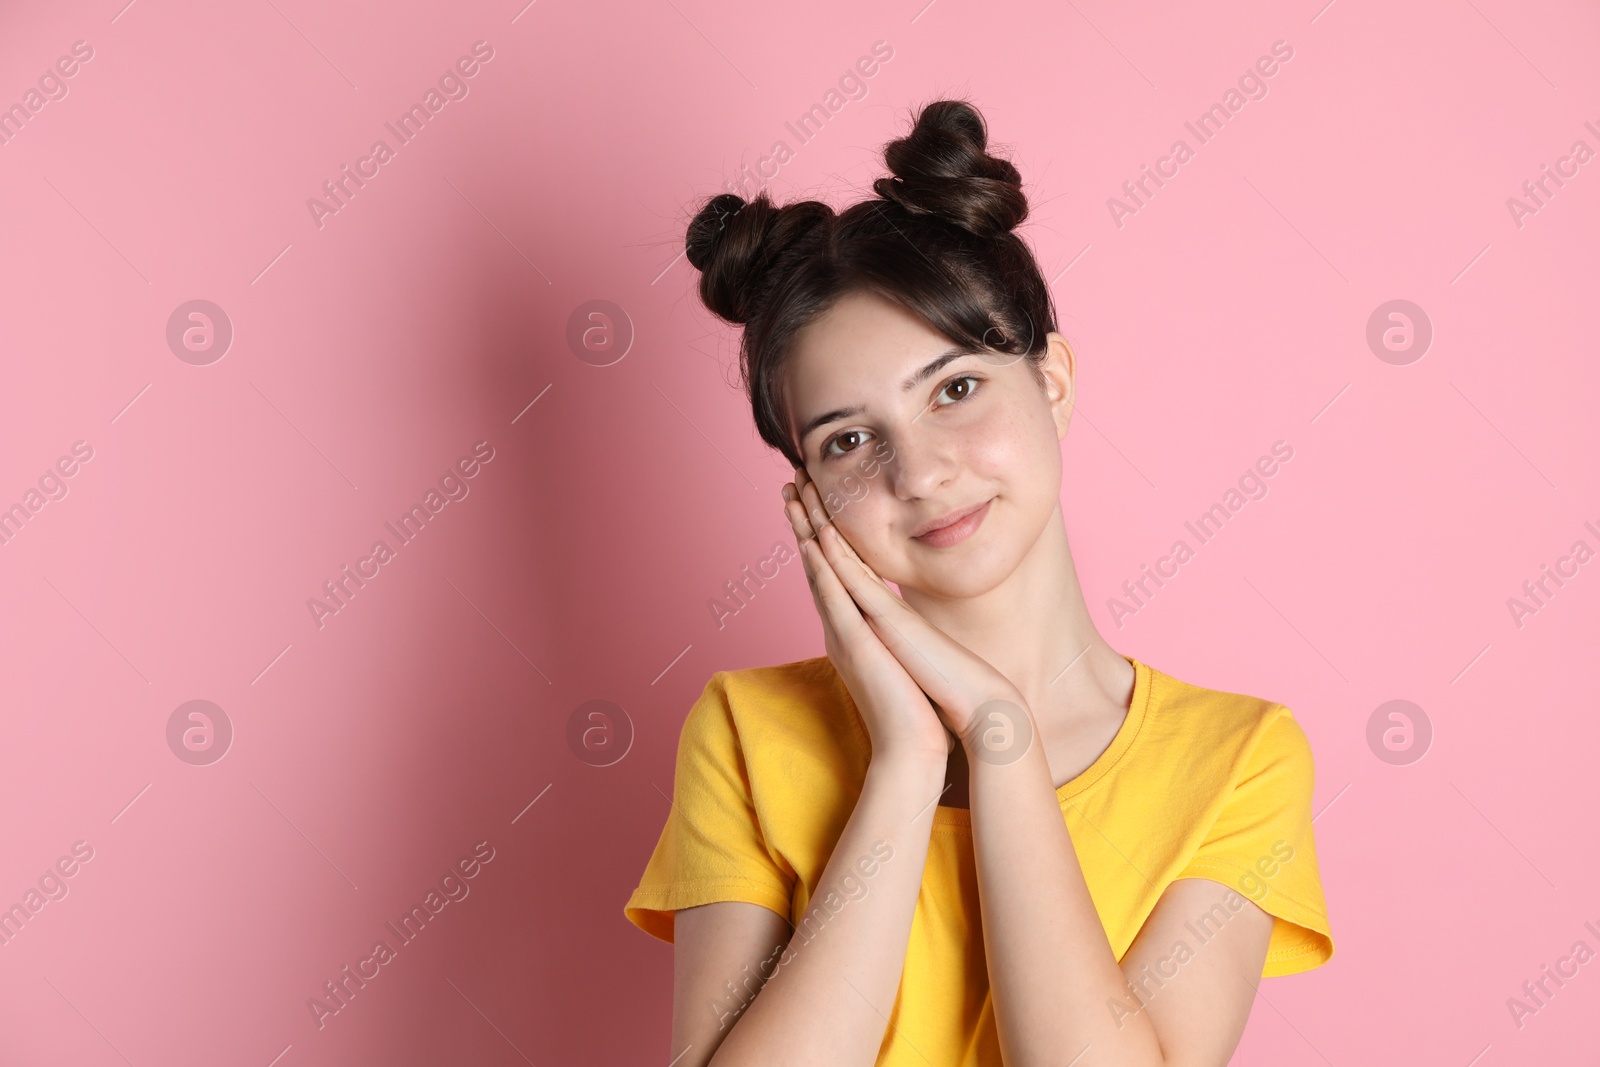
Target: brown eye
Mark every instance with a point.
(847, 434)
(966, 392)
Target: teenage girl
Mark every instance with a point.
(972, 832)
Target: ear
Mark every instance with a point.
(1059, 369)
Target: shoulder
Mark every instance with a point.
(787, 740)
(1229, 731)
(783, 708)
(1246, 808)
(781, 683)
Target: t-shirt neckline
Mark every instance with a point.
(1138, 705)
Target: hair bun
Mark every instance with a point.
(708, 228)
(943, 168)
(735, 244)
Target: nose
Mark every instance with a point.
(922, 464)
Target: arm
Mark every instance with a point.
(846, 973)
(1058, 989)
(842, 965)
(1200, 1012)
(1053, 975)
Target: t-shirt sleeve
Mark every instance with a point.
(1261, 845)
(712, 847)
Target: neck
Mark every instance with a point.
(1035, 629)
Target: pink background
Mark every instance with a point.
(371, 753)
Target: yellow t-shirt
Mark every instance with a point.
(1197, 783)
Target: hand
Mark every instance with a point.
(974, 700)
(899, 718)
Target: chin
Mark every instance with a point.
(966, 584)
(959, 578)
(969, 569)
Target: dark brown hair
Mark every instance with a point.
(936, 239)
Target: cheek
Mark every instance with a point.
(840, 491)
(1008, 449)
(867, 522)
(843, 491)
(864, 518)
(1019, 457)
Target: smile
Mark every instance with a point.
(962, 526)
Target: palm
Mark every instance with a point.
(956, 680)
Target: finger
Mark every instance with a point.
(814, 562)
(866, 568)
(816, 511)
(873, 594)
(834, 602)
(802, 478)
(814, 504)
(819, 519)
(802, 536)
(947, 671)
(806, 561)
(795, 512)
(794, 508)
(799, 481)
(850, 550)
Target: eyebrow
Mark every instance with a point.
(906, 386)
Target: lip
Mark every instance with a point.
(954, 527)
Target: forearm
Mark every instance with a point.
(829, 999)
(1052, 970)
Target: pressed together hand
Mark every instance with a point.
(914, 685)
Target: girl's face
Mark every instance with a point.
(899, 433)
